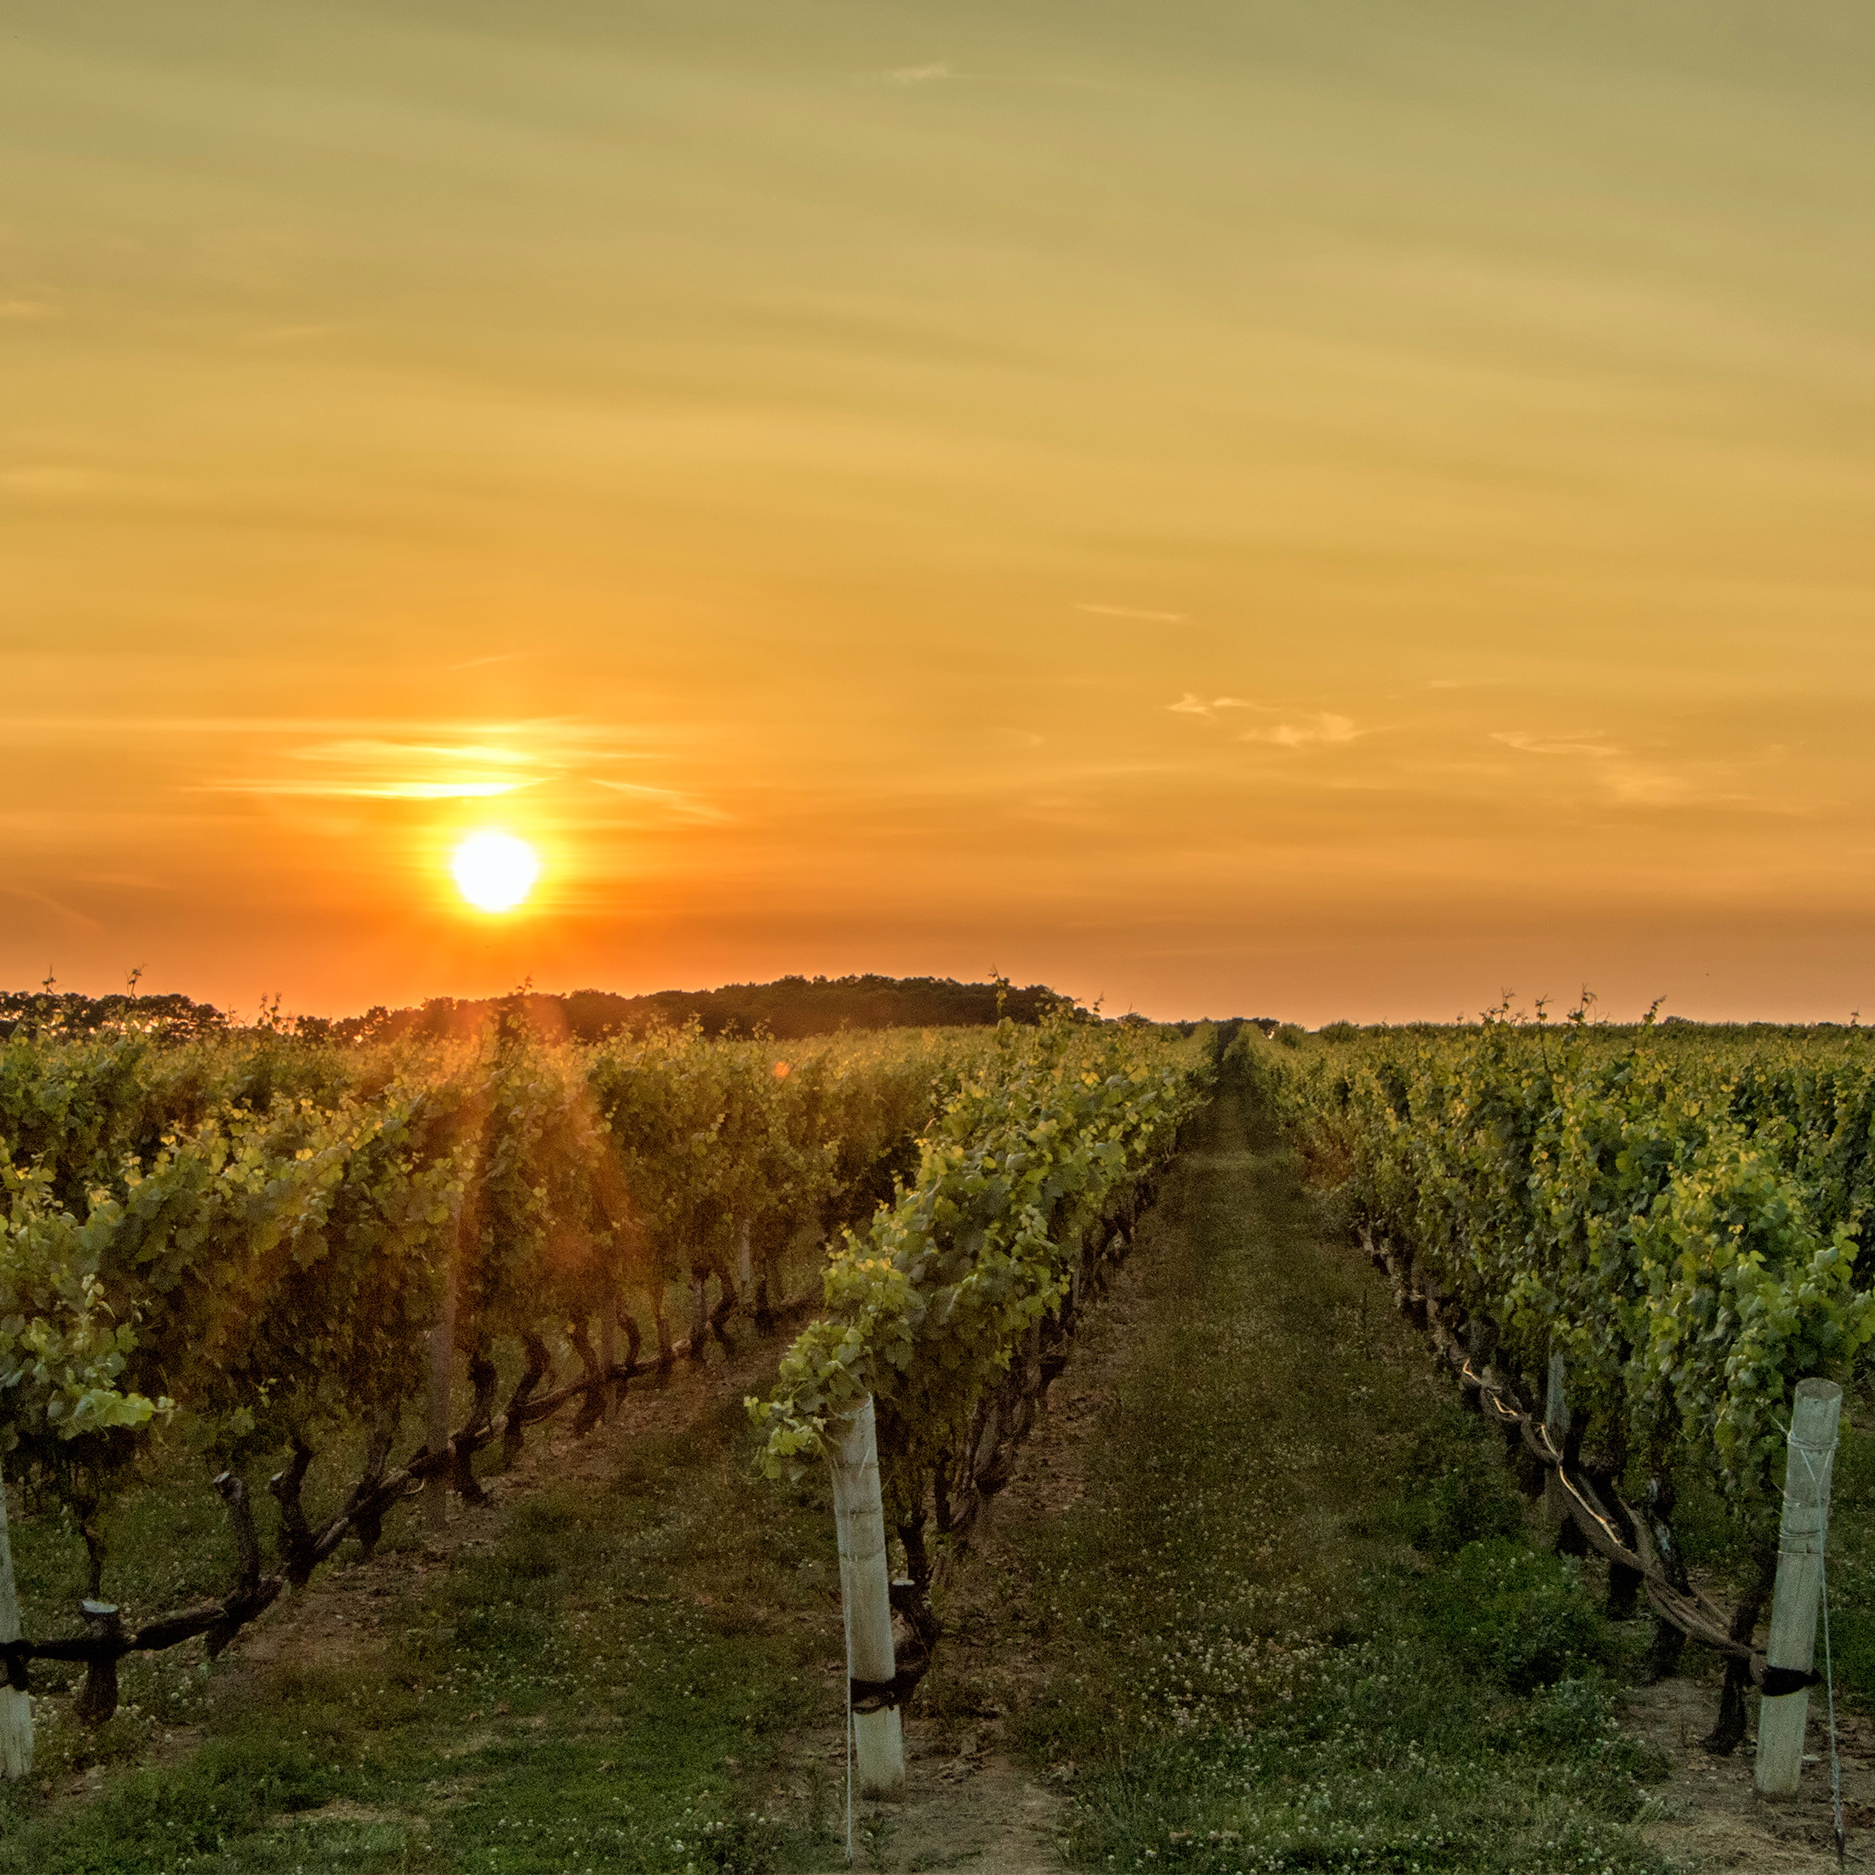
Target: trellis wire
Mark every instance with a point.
(1829, 1670)
(846, 1629)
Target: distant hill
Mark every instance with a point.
(789, 1008)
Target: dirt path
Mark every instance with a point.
(1711, 1817)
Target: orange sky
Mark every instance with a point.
(1303, 508)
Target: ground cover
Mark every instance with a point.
(591, 1672)
(1273, 1602)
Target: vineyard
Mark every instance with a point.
(267, 1299)
(273, 1258)
(1633, 1244)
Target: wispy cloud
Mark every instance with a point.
(388, 760)
(372, 791)
(1635, 780)
(1312, 731)
(364, 749)
(1575, 742)
(1191, 704)
(1643, 786)
(545, 733)
(83, 920)
(688, 806)
(26, 309)
(1128, 611)
(385, 769)
(937, 71)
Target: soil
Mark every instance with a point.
(1713, 1819)
(971, 1812)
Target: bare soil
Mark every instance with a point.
(1712, 1818)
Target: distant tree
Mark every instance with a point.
(788, 1009)
(63, 1012)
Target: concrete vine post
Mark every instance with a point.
(866, 1601)
(16, 1712)
(1791, 1648)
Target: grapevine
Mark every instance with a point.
(239, 1247)
(949, 1309)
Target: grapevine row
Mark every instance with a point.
(1682, 1223)
(951, 1309)
(242, 1249)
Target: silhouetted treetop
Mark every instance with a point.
(787, 1009)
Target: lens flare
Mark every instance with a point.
(495, 871)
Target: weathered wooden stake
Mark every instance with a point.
(1792, 1645)
(97, 1698)
(608, 1350)
(442, 1374)
(16, 1712)
(866, 1597)
(745, 1260)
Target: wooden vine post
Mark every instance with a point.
(16, 1712)
(442, 1373)
(1791, 1648)
(608, 1347)
(1556, 1424)
(866, 1603)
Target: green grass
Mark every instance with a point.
(1299, 1620)
(605, 1685)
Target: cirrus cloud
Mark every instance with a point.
(1314, 731)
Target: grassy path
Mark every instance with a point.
(1263, 1599)
(593, 1672)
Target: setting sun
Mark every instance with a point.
(495, 871)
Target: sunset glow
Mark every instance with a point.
(495, 871)
(1310, 510)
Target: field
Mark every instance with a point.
(1220, 1571)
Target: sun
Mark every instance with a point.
(495, 871)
